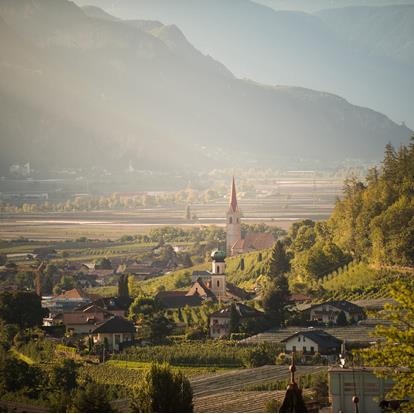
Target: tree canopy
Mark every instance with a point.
(396, 353)
(163, 390)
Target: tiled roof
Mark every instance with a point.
(174, 302)
(259, 241)
(342, 305)
(169, 293)
(111, 304)
(236, 291)
(298, 297)
(254, 241)
(116, 324)
(73, 294)
(322, 338)
(199, 288)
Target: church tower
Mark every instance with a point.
(233, 228)
(218, 274)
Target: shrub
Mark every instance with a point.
(162, 390)
(282, 359)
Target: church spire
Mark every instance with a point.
(233, 196)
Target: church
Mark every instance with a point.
(252, 241)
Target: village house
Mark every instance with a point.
(312, 341)
(219, 321)
(84, 321)
(328, 312)
(113, 333)
(141, 271)
(68, 301)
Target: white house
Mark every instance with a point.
(328, 312)
(113, 332)
(312, 341)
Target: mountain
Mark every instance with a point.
(382, 31)
(79, 88)
(296, 48)
(317, 5)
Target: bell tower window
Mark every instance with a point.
(218, 283)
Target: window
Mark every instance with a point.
(117, 339)
(304, 339)
(304, 349)
(312, 349)
(298, 338)
(218, 269)
(218, 283)
(294, 348)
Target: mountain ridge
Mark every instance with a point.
(107, 93)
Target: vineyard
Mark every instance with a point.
(359, 281)
(192, 353)
(238, 401)
(240, 379)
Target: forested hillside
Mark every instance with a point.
(365, 244)
(375, 220)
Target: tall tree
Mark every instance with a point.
(279, 261)
(234, 318)
(396, 352)
(21, 308)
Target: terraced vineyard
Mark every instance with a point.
(222, 392)
(236, 380)
(237, 401)
(356, 333)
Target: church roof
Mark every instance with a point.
(233, 196)
(255, 241)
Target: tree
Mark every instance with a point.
(24, 280)
(276, 297)
(162, 390)
(64, 376)
(103, 263)
(279, 262)
(92, 398)
(141, 307)
(341, 319)
(276, 300)
(154, 327)
(21, 308)
(65, 283)
(396, 352)
(234, 318)
(16, 375)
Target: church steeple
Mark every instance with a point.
(233, 196)
(233, 225)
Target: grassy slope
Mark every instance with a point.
(243, 278)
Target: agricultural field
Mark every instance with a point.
(240, 379)
(238, 401)
(276, 201)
